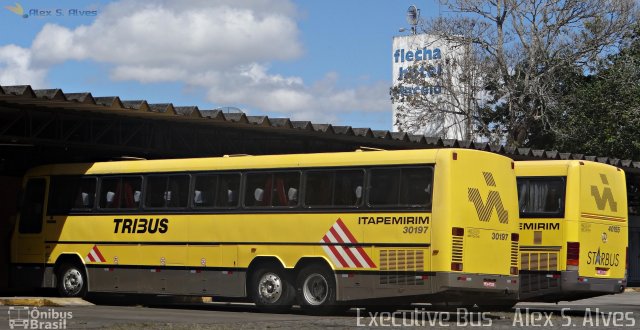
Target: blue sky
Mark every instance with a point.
(325, 61)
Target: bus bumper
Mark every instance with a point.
(565, 285)
(572, 282)
(425, 288)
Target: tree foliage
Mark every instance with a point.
(600, 114)
(519, 50)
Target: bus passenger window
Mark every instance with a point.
(415, 186)
(120, 193)
(86, 194)
(228, 190)
(284, 182)
(258, 189)
(70, 193)
(319, 188)
(205, 190)
(178, 191)
(108, 188)
(541, 197)
(333, 188)
(348, 188)
(405, 187)
(167, 191)
(216, 190)
(385, 184)
(269, 190)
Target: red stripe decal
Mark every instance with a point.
(346, 249)
(335, 252)
(102, 259)
(353, 240)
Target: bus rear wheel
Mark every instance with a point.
(72, 280)
(316, 288)
(271, 290)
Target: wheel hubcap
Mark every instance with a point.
(270, 288)
(315, 289)
(72, 281)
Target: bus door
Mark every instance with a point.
(28, 240)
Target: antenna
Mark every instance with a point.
(413, 16)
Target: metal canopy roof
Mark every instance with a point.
(56, 99)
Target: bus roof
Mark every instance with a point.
(353, 158)
(555, 167)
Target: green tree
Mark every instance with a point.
(600, 115)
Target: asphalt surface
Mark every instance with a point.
(607, 312)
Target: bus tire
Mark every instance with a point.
(316, 290)
(72, 280)
(271, 289)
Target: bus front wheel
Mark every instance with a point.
(316, 289)
(271, 290)
(72, 281)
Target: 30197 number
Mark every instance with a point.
(414, 230)
(499, 236)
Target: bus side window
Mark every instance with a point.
(155, 192)
(385, 184)
(415, 187)
(86, 194)
(333, 188)
(285, 188)
(120, 192)
(407, 187)
(216, 190)
(258, 189)
(108, 190)
(130, 185)
(348, 188)
(318, 188)
(228, 190)
(177, 188)
(271, 189)
(70, 193)
(167, 191)
(32, 208)
(204, 190)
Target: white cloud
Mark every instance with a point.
(16, 67)
(223, 47)
(210, 36)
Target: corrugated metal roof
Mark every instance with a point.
(56, 98)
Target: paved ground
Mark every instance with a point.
(597, 313)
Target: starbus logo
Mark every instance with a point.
(606, 197)
(494, 202)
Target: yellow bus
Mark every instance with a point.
(318, 230)
(573, 229)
